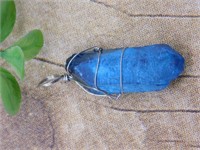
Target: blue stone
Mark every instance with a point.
(144, 69)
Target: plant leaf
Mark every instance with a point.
(7, 18)
(10, 92)
(15, 57)
(31, 44)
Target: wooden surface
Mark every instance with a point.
(65, 117)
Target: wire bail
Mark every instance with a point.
(49, 80)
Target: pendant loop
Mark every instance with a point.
(53, 79)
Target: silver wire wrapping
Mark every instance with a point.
(68, 77)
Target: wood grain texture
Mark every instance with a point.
(65, 117)
(155, 8)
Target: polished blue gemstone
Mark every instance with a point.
(143, 69)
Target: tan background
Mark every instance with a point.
(65, 117)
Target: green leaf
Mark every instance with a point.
(15, 57)
(31, 44)
(7, 18)
(10, 92)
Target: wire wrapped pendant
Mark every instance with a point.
(113, 72)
